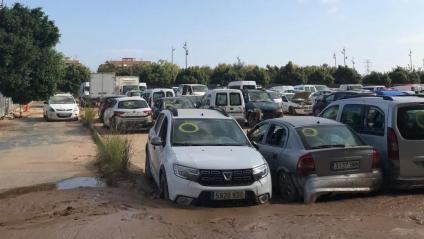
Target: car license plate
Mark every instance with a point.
(345, 165)
(229, 195)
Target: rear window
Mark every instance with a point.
(221, 99)
(169, 94)
(319, 137)
(410, 122)
(248, 87)
(158, 95)
(132, 104)
(235, 99)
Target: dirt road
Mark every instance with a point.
(131, 212)
(33, 151)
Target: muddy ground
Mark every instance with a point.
(132, 211)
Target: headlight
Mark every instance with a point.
(76, 109)
(191, 174)
(51, 109)
(260, 172)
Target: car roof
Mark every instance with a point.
(389, 100)
(225, 90)
(301, 121)
(130, 98)
(200, 113)
(63, 94)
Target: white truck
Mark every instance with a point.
(101, 84)
(126, 83)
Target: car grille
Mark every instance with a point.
(64, 115)
(239, 177)
(63, 109)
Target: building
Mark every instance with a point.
(72, 61)
(125, 62)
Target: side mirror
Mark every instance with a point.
(156, 141)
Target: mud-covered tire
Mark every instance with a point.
(287, 188)
(163, 189)
(147, 169)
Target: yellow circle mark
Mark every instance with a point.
(310, 132)
(188, 127)
(419, 116)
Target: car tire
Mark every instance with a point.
(163, 186)
(286, 188)
(292, 111)
(147, 169)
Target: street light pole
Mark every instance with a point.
(344, 56)
(186, 53)
(410, 59)
(335, 59)
(172, 54)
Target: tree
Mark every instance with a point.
(223, 74)
(376, 78)
(319, 77)
(290, 74)
(161, 74)
(74, 76)
(346, 75)
(399, 76)
(193, 75)
(29, 65)
(258, 74)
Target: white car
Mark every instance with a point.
(128, 113)
(202, 155)
(61, 107)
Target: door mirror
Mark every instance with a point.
(156, 141)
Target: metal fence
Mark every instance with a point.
(6, 106)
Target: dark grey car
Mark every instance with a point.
(311, 156)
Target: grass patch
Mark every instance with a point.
(114, 153)
(89, 116)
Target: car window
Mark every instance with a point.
(257, 135)
(276, 136)
(328, 136)
(159, 123)
(339, 96)
(410, 122)
(284, 98)
(163, 130)
(235, 99)
(331, 112)
(132, 104)
(169, 94)
(221, 99)
(158, 95)
(352, 116)
(329, 98)
(374, 121)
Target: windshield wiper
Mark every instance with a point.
(325, 146)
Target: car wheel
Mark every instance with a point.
(292, 111)
(164, 193)
(147, 169)
(286, 187)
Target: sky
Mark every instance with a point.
(307, 32)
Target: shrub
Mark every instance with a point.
(114, 153)
(89, 116)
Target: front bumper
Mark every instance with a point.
(303, 111)
(316, 186)
(178, 187)
(62, 115)
(134, 123)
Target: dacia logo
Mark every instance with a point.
(227, 175)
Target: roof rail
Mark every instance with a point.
(173, 110)
(220, 110)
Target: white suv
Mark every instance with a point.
(198, 155)
(61, 107)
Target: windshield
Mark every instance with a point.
(410, 121)
(178, 103)
(274, 95)
(62, 100)
(86, 88)
(199, 88)
(207, 132)
(127, 88)
(158, 95)
(259, 96)
(321, 88)
(329, 136)
(132, 104)
(135, 93)
(247, 87)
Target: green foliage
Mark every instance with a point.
(399, 76)
(114, 153)
(346, 75)
(320, 77)
(376, 78)
(30, 68)
(74, 76)
(260, 75)
(193, 75)
(89, 116)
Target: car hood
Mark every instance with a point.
(218, 157)
(62, 106)
(265, 105)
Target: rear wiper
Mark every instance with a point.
(325, 146)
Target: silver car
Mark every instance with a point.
(310, 156)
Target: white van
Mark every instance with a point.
(242, 85)
(409, 88)
(305, 88)
(192, 89)
(351, 87)
(152, 95)
(230, 100)
(142, 86)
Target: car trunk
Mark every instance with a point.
(411, 139)
(338, 161)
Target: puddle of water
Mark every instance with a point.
(78, 182)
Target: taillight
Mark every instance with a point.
(118, 113)
(147, 111)
(305, 165)
(392, 144)
(375, 159)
